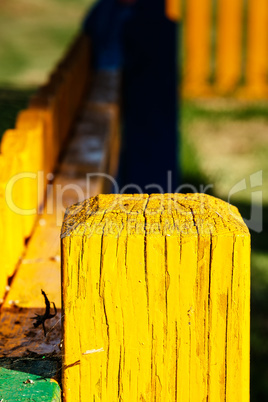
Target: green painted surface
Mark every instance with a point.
(28, 380)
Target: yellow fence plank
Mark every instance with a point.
(257, 65)
(240, 33)
(27, 147)
(4, 255)
(229, 45)
(29, 119)
(11, 222)
(197, 47)
(238, 385)
(39, 267)
(33, 148)
(156, 299)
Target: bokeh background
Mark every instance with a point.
(224, 128)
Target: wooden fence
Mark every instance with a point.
(224, 47)
(30, 151)
(155, 299)
(155, 289)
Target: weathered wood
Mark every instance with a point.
(27, 147)
(20, 193)
(4, 262)
(105, 88)
(28, 119)
(13, 240)
(155, 299)
(40, 266)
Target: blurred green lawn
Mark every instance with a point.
(223, 140)
(34, 35)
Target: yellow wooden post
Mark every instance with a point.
(155, 294)
(197, 47)
(4, 270)
(28, 119)
(27, 147)
(229, 45)
(11, 224)
(257, 64)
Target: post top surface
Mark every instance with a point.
(153, 215)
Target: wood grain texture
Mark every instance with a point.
(155, 299)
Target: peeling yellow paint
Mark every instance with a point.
(161, 284)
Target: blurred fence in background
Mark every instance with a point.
(224, 47)
(29, 153)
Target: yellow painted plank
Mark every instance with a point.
(28, 119)
(152, 288)
(11, 223)
(38, 269)
(237, 328)
(4, 255)
(27, 147)
(220, 286)
(256, 67)
(40, 266)
(46, 107)
(229, 45)
(197, 47)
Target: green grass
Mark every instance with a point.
(34, 36)
(236, 111)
